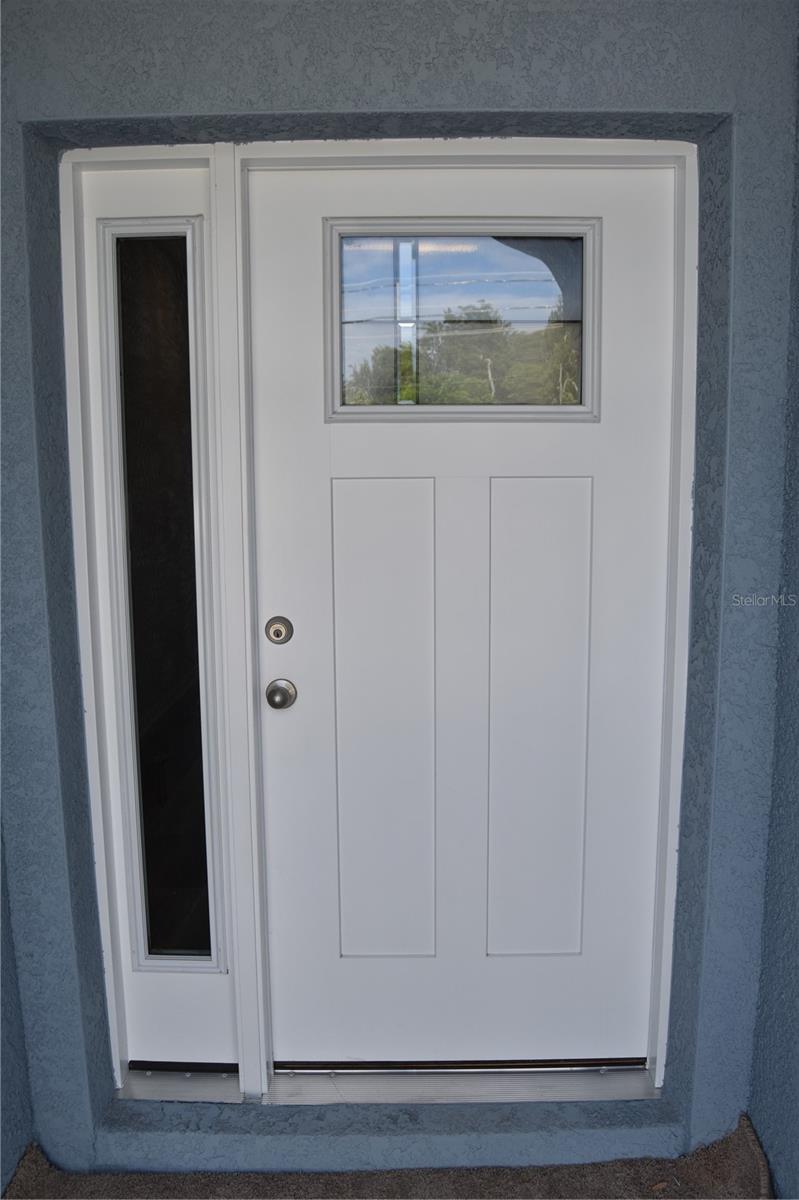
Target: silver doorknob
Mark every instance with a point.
(280, 693)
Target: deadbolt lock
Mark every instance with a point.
(279, 630)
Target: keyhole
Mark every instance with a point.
(279, 629)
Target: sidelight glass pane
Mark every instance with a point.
(156, 422)
(464, 320)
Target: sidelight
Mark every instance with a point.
(159, 498)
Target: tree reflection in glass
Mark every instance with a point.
(461, 320)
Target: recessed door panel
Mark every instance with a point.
(540, 613)
(384, 600)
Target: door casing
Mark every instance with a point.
(227, 432)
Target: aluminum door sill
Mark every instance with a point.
(379, 1087)
(460, 1087)
(208, 1086)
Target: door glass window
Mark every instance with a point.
(156, 423)
(461, 320)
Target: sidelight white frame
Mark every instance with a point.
(223, 582)
(109, 230)
(226, 444)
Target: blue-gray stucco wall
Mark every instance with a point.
(719, 72)
(774, 1105)
(17, 1122)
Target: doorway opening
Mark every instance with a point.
(416, 433)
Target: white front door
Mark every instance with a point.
(462, 396)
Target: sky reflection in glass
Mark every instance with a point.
(461, 320)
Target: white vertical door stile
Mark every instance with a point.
(462, 805)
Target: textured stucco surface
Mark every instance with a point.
(721, 72)
(16, 1102)
(775, 1082)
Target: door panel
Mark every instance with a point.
(538, 633)
(384, 600)
(461, 807)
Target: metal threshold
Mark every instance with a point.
(212, 1087)
(424, 1083)
(461, 1085)
(405, 1066)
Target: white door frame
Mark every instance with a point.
(225, 443)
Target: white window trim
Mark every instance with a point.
(229, 447)
(588, 229)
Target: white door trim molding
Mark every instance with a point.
(229, 455)
(677, 633)
(242, 701)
